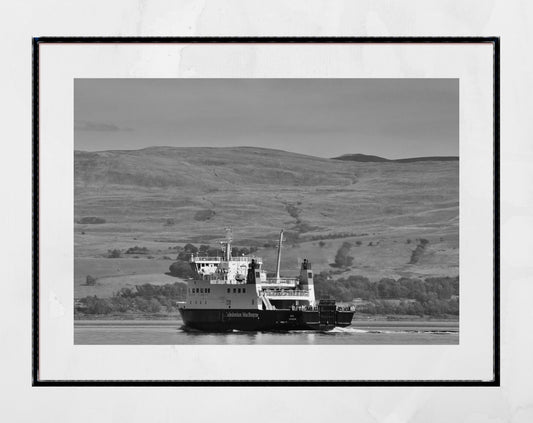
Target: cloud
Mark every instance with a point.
(84, 125)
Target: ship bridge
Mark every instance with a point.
(213, 259)
(226, 271)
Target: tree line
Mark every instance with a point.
(146, 298)
(430, 296)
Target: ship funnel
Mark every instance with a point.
(253, 274)
(306, 274)
(279, 254)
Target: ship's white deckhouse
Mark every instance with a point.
(240, 282)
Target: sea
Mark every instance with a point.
(171, 332)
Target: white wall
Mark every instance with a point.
(512, 20)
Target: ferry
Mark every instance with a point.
(234, 293)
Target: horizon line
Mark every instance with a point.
(267, 148)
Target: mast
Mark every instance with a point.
(229, 238)
(279, 254)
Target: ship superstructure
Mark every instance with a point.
(235, 293)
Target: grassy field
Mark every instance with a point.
(162, 198)
(114, 274)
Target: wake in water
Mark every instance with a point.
(335, 331)
(352, 330)
(347, 330)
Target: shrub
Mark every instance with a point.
(189, 248)
(114, 253)
(137, 250)
(292, 210)
(418, 251)
(204, 215)
(121, 304)
(342, 258)
(89, 280)
(95, 305)
(181, 269)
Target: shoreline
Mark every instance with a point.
(357, 319)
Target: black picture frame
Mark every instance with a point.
(38, 41)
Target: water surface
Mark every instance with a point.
(150, 332)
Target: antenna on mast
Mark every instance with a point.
(279, 254)
(229, 239)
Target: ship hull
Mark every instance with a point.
(212, 320)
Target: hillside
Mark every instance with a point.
(161, 197)
(377, 159)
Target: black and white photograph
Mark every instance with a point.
(266, 211)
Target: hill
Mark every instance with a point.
(163, 197)
(377, 159)
(361, 158)
(204, 168)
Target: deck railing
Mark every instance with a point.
(216, 259)
(289, 281)
(219, 259)
(286, 293)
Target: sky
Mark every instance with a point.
(392, 118)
